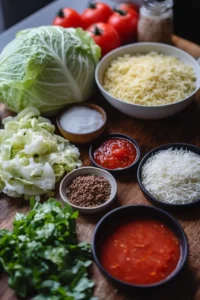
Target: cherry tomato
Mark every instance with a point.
(96, 12)
(127, 7)
(105, 36)
(68, 17)
(125, 23)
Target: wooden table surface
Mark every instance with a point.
(183, 127)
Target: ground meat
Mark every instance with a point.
(88, 191)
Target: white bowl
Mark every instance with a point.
(141, 111)
(88, 171)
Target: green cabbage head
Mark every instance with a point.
(47, 67)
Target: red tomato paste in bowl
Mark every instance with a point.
(140, 251)
(115, 153)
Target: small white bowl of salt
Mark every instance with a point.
(82, 123)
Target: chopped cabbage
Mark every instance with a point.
(32, 157)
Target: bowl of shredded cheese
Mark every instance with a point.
(148, 80)
(169, 175)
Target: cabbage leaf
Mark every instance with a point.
(47, 67)
(32, 157)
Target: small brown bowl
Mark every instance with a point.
(83, 138)
(88, 171)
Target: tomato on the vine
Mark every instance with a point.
(105, 36)
(68, 17)
(125, 22)
(96, 12)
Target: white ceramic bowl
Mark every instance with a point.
(88, 171)
(141, 111)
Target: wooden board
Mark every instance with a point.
(183, 127)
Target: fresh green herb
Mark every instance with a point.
(42, 256)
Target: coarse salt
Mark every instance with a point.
(81, 119)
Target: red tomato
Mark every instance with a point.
(125, 23)
(68, 17)
(127, 7)
(105, 36)
(96, 12)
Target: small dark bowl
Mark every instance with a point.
(102, 139)
(149, 196)
(137, 211)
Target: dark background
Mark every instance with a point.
(186, 15)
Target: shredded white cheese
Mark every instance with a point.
(173, 176)
(149, 79)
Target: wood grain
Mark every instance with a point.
(185, 45)
(183, 127)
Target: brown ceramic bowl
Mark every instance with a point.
(83, 138)
(88, 171)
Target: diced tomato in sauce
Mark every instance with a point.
(142, 251)
(115, 153)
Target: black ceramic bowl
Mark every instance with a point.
(102, 139)
(137, 211)
(148, 195)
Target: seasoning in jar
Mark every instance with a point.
(156, 21)
(88, 191)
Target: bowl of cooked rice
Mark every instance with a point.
(148, 80)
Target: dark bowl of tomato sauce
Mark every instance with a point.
(115, 153)
(139, 247)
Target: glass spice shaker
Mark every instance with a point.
(156, 21)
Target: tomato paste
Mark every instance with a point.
(143, 251)
(115, 153)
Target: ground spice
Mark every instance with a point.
(88, 191)
(156, 21)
